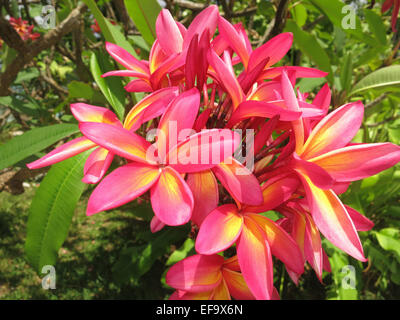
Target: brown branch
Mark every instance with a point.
(48, 40)
(278, 23)
(376, 101)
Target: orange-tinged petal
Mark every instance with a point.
(87, 113)
(357, 162)
(65, 151)
(332, 219)
(198, 273)
(97, 165)
(232, 263)
(221, 292)
(171, 198)
(334, 131)
(236, 285)
(255, 260)
(117, 140)
(282, 245)
(276, 191)
(150, 107)
(219, 230)
(204, 188)
(122, 185)
(239, 181)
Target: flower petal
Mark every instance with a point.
(198, 273)
(334, 131)
(255, 260)
(332, 219)
(361, 222)
(156, 224)
(125, 58)
(117, 140)
(236, 285)
(138, 85)
(239, 181)
(122, 185)
(282, 245)
(275, 191)
(249, 109)
(360, 161)
(97, 165)
(204, 188)
(87, 113)
(168, 33)
(65, 151)
(203, 150)
(150, 107)
(171, 198)
(219, 230)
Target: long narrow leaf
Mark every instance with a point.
(32, 142)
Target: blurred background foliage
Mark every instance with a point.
(114, 255)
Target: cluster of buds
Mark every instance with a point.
(206, 95)
(24, 30)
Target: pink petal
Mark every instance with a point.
(117, 140)
(125, 58)
(219, 230)
(180, 115)
(97, 165)
(121, 186)
(198, 273)
(333, 220)
(275, 49)
(313, 248)
(205, 194)
(171, 198)
(334, 131)
(227, 78)
(65, 151)
(255, 260)
(361, 222)
(138, 85)
(156, 225)
(357, 162)
(125, 73)
(168, 33)
(282, 245)
(236, 285)
(87, 113)
(239, 181)
(203, 150)
(300, 72)
(150, 107)
(275, 191)
(249, 109)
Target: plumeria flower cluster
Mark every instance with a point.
(202, 87)
(23, 28)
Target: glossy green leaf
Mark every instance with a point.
(382, 78)
(310, 46)
(33, 141)
(389, 239)
(376, 25)
(346, 72)
(181, 253)
(299, 13)
(111, 87)
(144, 14)
(110, 32)
(52, 209)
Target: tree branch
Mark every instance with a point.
(48, 40)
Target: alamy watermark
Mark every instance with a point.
(49, 280)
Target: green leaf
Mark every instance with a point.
(137, 260)
(33, 141)
(308, 44)
(346, 72)
(181, 253)
(111, 87)
(52, 209)
(387, 77)
(335, 11)
(376, 25)
(78, 89)
(299, 13)
(110, 32)
(389, 239)
(144, 14)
